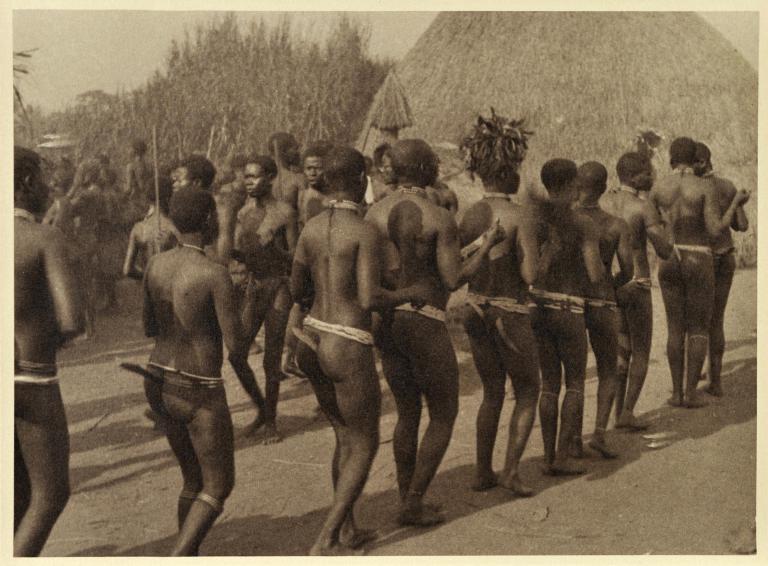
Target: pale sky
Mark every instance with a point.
(84, 50)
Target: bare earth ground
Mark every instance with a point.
(689, 497)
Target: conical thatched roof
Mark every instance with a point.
(585, 82)
(389, 110)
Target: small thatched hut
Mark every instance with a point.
(388, 115)
(585, 82)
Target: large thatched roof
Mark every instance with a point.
(585, 81)
(390, 110)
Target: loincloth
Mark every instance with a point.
(349, 332)
(600, 303)
(174, 376)
(507, 304)
(427, 311)
(692, 249)
(34, 373)
(557, 301)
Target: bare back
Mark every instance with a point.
(569, 240)
(424, 239)
(181, 289)
(338, 248)
(685, 199)
(48, 306)
(510, 266)
(612, 233)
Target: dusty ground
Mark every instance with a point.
(688, 497)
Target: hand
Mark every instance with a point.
(419, 293)
(624, 292)
(495, 233)
(742, 197)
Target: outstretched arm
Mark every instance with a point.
(67, 299)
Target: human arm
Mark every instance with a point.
(65, 293)
(370, 292)
(649, 220)
(301, 277)
(625, 254)
(129, 265)
(712, 219)
(528, 251)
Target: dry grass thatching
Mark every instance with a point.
(390, 110)
(585, 82)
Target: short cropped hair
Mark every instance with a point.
(702, 152)
(415, 161)
(594, 176)
(267, 164)
(379, 152)
(557, 174)
(26, 163)
(199, 168)
(344, 170)
(316, 149)
(682, 151)
(191, 208)
(631, 164)
(239, 161)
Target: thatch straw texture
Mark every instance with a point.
(585, 82)
(390, 110)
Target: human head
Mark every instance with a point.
(260, 171)
(165, 186)
(682, 151)
(414, 162)
(193, 210)
(29, 190)
(285, 146)
(138, 148)
(312, 161)
(194, 171)
(558, 176)
(703, 163)
(635, 170)
(344, 172)
(591, 180)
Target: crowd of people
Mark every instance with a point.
(339, 256)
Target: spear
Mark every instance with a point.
(157, 185)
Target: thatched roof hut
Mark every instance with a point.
(585, 82)
(389, 113)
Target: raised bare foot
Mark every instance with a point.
(715, 389)
(291, 368)
(630, 422)
(422, 516)
(485, 481)
(270, 435)
(516, 486)
(599, 445)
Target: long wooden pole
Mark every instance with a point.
(157, 181)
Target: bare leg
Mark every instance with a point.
(672, 294)
(551, 376)
(602, 324)
(517, 345)
(724, 270)
(210, 432)
(493, 376)
(21, 487)
(698, 272)
(43, 437)
(640, 325)
(274, 337)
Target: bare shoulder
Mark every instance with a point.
(723, 186)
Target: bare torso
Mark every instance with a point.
(180, 286)
(260, 233)
(561, 237)
(36, 325)
(610, 230)
(329, 248)
(682, 197)
(412, 224)
(501, 273)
